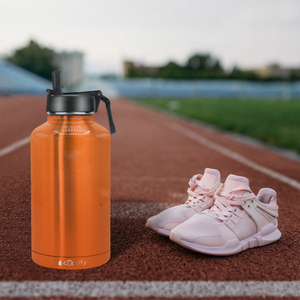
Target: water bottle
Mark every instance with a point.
(70, 182)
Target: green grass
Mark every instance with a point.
(276, 123)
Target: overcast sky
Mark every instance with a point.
(248, 33)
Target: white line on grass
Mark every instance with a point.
(14, 146)
(234, 155)
(182, 289)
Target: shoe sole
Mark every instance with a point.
(267, 235)
(150, 224)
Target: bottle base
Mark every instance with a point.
(70, 263)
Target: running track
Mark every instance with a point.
(153, 157)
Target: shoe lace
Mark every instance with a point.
(228, 203)
(195, 198)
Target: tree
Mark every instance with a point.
(170, 71)
(35, 58)
(203, 62)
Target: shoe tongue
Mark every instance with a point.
(234, 181)
(209, 178)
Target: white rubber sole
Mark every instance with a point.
(265, 236)
(150, 224)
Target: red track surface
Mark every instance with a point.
(150, 163)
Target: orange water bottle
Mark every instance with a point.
(70, 182)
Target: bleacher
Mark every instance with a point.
(15, 80)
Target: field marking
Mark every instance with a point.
(14, 146)
(136, 210)
(182, 289)
(234, 155)
(149, 178)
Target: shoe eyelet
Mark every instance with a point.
(248, 205)
(252, 201)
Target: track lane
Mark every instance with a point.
(261, 155)
(151, 164)
(19, 115)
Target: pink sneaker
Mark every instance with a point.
(200, 197)
(238, 220)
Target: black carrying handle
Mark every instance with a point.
(99, 96)
(109, 114)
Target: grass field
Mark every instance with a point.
(276, 123)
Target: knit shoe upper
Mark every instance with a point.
(200, 197)
(237, 221)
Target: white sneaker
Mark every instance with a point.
(201, 192)
(238, 220)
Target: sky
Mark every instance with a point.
(248, 33)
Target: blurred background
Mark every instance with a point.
(234, 64)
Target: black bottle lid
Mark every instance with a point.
(75, 103)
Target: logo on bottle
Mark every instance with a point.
(70, 262)
(72, 131)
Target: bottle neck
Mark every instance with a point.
(69, 113)
(70, 119)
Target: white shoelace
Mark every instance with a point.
(228, 204)
(195, 198)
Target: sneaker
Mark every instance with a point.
(200, 197)
(238, 220)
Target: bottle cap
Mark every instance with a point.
(75, 103)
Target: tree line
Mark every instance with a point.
(203, 66)
(41, 61)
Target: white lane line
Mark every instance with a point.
(234, 155)
(137, 210)
(182, 289)
(14, 146)
(148, 178)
